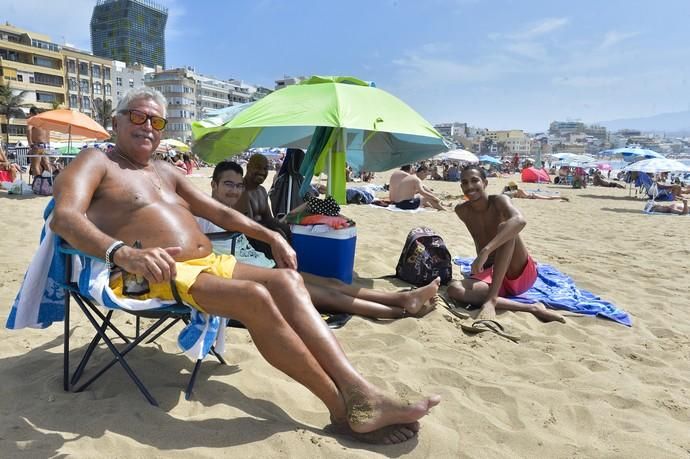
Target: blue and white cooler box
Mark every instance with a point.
(324, 251)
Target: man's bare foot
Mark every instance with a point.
(415, 299)
(547, 315)
(385, 436)
(426, 309)
(488, 311)
(370, 411)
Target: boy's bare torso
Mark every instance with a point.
(483, 226)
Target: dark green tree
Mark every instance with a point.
(102, 111)
(11, 103)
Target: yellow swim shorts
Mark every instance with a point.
(187, 272)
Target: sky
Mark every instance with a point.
(497, 64)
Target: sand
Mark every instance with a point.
(586, 388)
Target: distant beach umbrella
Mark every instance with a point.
(657, 165)
(635, 154)
(489, 159)
(175, 144)
(458, 155)
(70, 122)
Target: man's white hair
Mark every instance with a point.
(142, 92)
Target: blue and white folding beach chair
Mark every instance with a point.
(59, 273)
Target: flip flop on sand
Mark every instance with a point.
(480, 326)
(440, 300)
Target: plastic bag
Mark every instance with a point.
(20, 187)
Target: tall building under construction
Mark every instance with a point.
(131, 31)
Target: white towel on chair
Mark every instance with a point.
(40, 300)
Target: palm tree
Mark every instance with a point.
(102, 111)
(10, 104)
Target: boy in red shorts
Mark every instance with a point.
(502, 267)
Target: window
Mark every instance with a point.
(20, 77)
(73, 101)
(44, 62)
(131, 83)
(118, 81)
(49, 80)
(83, 68)
(96, 70)
(86, 103)
(45, 97)
(108, 89)
(71, 66)
(96, 88)
(106, 73)
(73, 84)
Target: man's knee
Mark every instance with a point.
(288, 278)
(456, 289)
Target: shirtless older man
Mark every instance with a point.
(409, 193)
(102, 199)
(38, 146)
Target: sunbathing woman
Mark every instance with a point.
(327, 294)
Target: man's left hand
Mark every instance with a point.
(478, 263)
(283, 254)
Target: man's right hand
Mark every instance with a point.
(156, 264)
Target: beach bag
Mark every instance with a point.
(327, 206)
(424, 258)
(43, 185)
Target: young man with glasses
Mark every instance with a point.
(106, 201)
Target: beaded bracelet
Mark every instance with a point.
(110, 252)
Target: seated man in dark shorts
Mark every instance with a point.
(409, 193)
(502, 267)
(409, 204)
(106, 201)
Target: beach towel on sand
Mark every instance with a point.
(558, 291)
(40, 300)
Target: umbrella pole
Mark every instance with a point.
(336, 167)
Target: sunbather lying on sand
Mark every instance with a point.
(329, 295)
(502, 267)
(512, 190)
(675, 207)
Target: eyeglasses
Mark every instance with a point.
(233, 185)
(138, 118)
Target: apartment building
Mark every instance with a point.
(29, 62)
(513, 141)
(288, 80)
(128, 76)
(131, 31)
(179, 87)
(89, 84)
(212, 94)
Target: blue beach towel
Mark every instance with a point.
(558, 291)
(40, 300)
